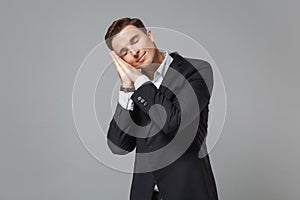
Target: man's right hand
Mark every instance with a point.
(125, 80)
(127, 73)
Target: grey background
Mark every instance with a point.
(43, 43)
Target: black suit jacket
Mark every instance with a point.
(172, 137)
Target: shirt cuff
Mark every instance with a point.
(140, 81)
(125, 101)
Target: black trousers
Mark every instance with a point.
(156, 195)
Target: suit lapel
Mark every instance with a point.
(170, 75)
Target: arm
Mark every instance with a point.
(118, 140)
(125, 101)
(173, 108)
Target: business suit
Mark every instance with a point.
(190, 176)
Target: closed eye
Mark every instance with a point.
(135, 41)
(123, 53)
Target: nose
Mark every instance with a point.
(135, 52)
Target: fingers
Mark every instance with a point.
(126, 70)
(125, 80)
(118, 66)
(123, 64)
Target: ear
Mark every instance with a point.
(150, 35)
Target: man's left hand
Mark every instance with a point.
(131, 72)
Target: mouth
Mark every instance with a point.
(141, 58)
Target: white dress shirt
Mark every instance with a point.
(159, 74)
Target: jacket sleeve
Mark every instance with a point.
(148, 95)
(118, 141)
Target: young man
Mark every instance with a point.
(162, 112)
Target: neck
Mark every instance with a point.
(157, 60)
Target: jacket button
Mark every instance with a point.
(139, 98)
(142, 100)
(145, 103)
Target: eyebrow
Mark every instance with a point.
(131, 40)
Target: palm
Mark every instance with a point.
(127, 73)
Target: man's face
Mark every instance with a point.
(134, 46)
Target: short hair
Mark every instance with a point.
(117, 26)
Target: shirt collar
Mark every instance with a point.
(162, 69)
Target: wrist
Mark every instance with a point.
(127, 88)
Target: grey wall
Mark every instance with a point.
(43, 43)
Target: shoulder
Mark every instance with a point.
(193, 68)
(204, 68)
(201, 65)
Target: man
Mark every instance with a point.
(162, 112)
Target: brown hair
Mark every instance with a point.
(118, 25)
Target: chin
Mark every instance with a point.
(142, 65)
(139, 66)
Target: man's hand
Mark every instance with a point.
(127, 73)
